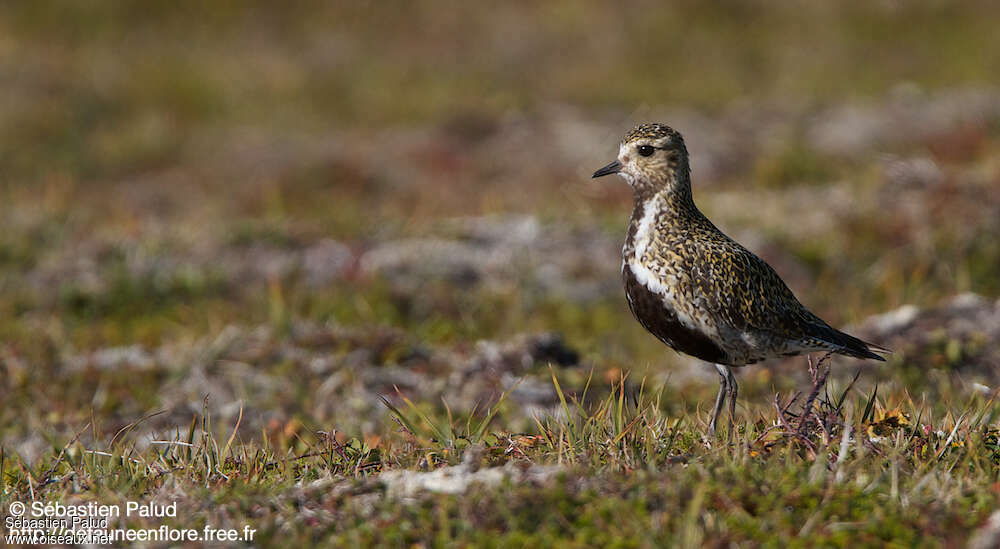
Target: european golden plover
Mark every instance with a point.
(698, 290)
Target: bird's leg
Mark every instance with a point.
(720, 400)
(734, 390)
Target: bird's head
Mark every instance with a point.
(651, 158)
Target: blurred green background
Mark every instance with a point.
(190, 192)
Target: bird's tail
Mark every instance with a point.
(846, 344)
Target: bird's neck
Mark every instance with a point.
(670, 197)
(656, 208)
(674, 184)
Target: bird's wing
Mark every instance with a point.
(742, 291)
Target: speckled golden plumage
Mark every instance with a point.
(696, 289)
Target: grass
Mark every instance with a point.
(862, 470)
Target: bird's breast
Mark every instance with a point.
(658, 303)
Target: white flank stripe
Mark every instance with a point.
(643, 234)
(655, 281)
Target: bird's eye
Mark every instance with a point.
(645, 150)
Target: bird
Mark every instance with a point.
(699, 291)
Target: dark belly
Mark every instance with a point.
(662, 322)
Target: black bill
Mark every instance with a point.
(611, 168)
